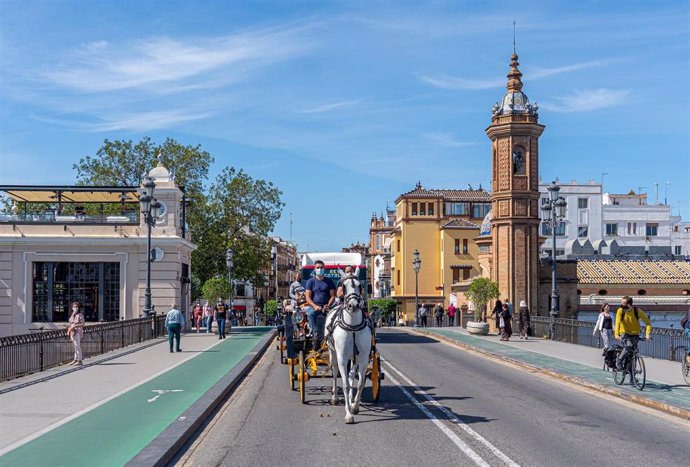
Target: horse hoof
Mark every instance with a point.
(349, 419)
(355, 410)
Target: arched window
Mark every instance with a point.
(579, 292)
(519, 160)
(603, 292)
(642, 292)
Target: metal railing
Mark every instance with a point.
(28, 353)
(49, 217)
(665, 343)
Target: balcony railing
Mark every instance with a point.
(50, 217)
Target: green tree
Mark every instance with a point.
(386, 305)
(481, 292)
(215, 288)
(271, 308)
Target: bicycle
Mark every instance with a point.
(681, 353)
(633, 366)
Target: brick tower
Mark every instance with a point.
(514, 134)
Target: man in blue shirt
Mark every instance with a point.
(174, 320)
(320, 293)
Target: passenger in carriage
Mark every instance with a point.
(320, 294)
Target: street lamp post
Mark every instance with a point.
(149, 208)
(229, 262)
(553, 214)
(416, 264)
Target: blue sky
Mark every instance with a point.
(345, 105)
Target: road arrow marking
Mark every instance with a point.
(161, 392)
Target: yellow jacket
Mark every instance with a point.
(627, 324)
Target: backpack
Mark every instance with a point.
(611, 354)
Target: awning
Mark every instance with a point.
(72, 194)
(461, 266)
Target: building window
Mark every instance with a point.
(611, 230)
(456, 275)
(632, 228)
(431, 209)
(678, 250)
(583, 217)
(560, 230)
(378, 242)
(465, 274)
(397, 245)
(398, 276)
(480, 210)
(519, 160)
(240, 290)
(582, 232)
(464, 246)
(457, 246)
(96, 286)
(582, 203)
(414, 209)
(457, 209)
(652, 230)
(422, 209)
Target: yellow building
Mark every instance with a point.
(442, 225)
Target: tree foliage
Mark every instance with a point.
(271, 308)
(215, 288)
(386, 305)
(481, 291)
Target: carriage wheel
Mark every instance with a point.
(291, 366)
(375, 376)
(302, 372)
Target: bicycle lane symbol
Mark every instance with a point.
(160, 392)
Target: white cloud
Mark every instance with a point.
(444, 81)
(587, 100)
(162, 64)
(329, 107)
(144, 121)
(447, 139)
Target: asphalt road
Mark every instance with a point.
(439, 406)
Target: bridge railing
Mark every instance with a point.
(665, 343)
(29, 353)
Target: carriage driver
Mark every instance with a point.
(320, 293)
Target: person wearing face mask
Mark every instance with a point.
(75, 331)
(320, 293)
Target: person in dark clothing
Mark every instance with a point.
(505, 324)
(498, 308)
(438, 313)
(220, 314)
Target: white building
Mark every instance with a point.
(617, 225)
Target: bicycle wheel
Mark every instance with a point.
(686, 371)
(618, 376)
(638, 372)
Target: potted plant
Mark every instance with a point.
(481, 291)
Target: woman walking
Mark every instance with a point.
(197, 315)
(604, 326)
(498, 309)
(75, 331)
(523, 319)
(505, 324)
(208, 317)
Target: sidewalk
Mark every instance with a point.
(112, 407)
(665, 389)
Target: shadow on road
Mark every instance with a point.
(401, 337)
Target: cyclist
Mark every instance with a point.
(685, 322)
(628, 328)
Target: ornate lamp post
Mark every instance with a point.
(416, 265)
(229, 262)
(553, 214)
(149, 208)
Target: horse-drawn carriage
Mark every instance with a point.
(349, 336)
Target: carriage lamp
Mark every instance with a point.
(230, 263)
(150, 208)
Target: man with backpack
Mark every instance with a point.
(685, 324)
(628, 328)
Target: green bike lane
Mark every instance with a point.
(115, 432)
(675, 396)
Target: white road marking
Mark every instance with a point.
(451, 417)
(161, 392)
(469, 452)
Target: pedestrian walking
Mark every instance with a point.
(174, 321)
(220, 314)
(422, 315)
(505, 324)
(523, 320)
(208, 317)
(197, 316)
(438, 312)
(75, 331)
(604, 326)
(451, 315)
(496, 313)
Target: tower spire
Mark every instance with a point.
(514, 75)
(514, 49)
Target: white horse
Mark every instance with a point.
(349, 341)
